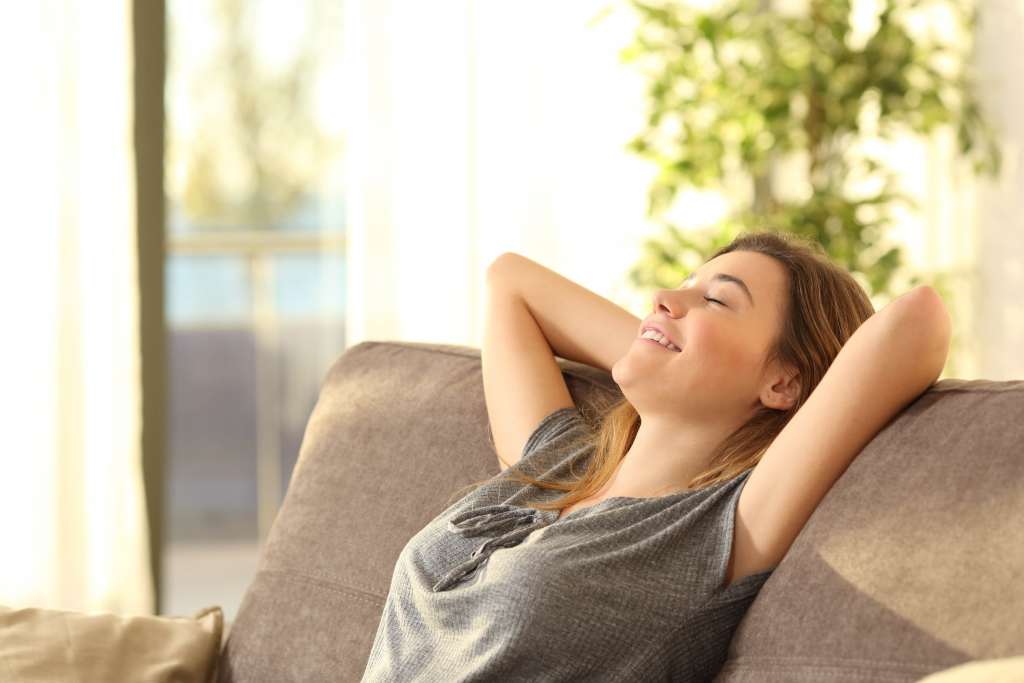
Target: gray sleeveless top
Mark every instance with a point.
(627, 589)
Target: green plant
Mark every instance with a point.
(733, 88)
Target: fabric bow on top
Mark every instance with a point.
(506, 525)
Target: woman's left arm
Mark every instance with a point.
(888, 362)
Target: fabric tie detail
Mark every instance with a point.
(491, 518)
(506, 525)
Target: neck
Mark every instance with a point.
(665, 456)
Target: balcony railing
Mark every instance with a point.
(258, 249)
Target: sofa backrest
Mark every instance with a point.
(914, 560)
(907, 566)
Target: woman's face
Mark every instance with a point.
(717, 374)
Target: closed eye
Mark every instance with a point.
(708, 298)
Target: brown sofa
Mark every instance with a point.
(912, 563)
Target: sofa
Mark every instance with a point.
(912, 563)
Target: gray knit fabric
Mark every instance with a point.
(628, 589)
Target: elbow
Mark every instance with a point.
(496, 267)
(925, 323)
(935, 322)
(501, 263)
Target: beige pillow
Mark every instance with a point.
(53, 646)
(1006, 670)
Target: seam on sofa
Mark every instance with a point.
(976, 390)
(845, 666)
(455, 351)
(371, 598)
(318, 577)
(820, 674)
(983, 386)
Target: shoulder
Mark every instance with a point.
(560, 438)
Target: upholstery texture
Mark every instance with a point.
(910, 565)
(912, 562)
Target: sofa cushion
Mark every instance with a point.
(40, 645)
(912, 561)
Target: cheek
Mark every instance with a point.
(722, 348)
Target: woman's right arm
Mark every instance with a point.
(579, 324)
(532, 315)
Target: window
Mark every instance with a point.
(254, 276)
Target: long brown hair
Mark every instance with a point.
(824, 306)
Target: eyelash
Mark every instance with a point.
(708, 298)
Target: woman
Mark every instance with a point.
(630, 550)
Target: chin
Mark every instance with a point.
(613, 371)
(620, 375)
(621, 378)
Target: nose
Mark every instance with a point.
(674, 302)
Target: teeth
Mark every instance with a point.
(660, 338)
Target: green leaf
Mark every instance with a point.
(741, 84)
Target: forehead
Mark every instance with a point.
(765, 276)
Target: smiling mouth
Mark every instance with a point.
(659, 344)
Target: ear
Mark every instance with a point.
(782, 389)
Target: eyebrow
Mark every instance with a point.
(725, 277)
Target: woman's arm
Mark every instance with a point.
(889, 362)
(578, 324)
(522, 380)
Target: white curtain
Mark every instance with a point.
(997, 305)
(475, 128)
(73, 531)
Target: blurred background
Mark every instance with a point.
(213, 200)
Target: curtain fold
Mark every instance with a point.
(73, 529)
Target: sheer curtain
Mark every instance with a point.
(997, 306)
(477, 128)
(73, 532)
